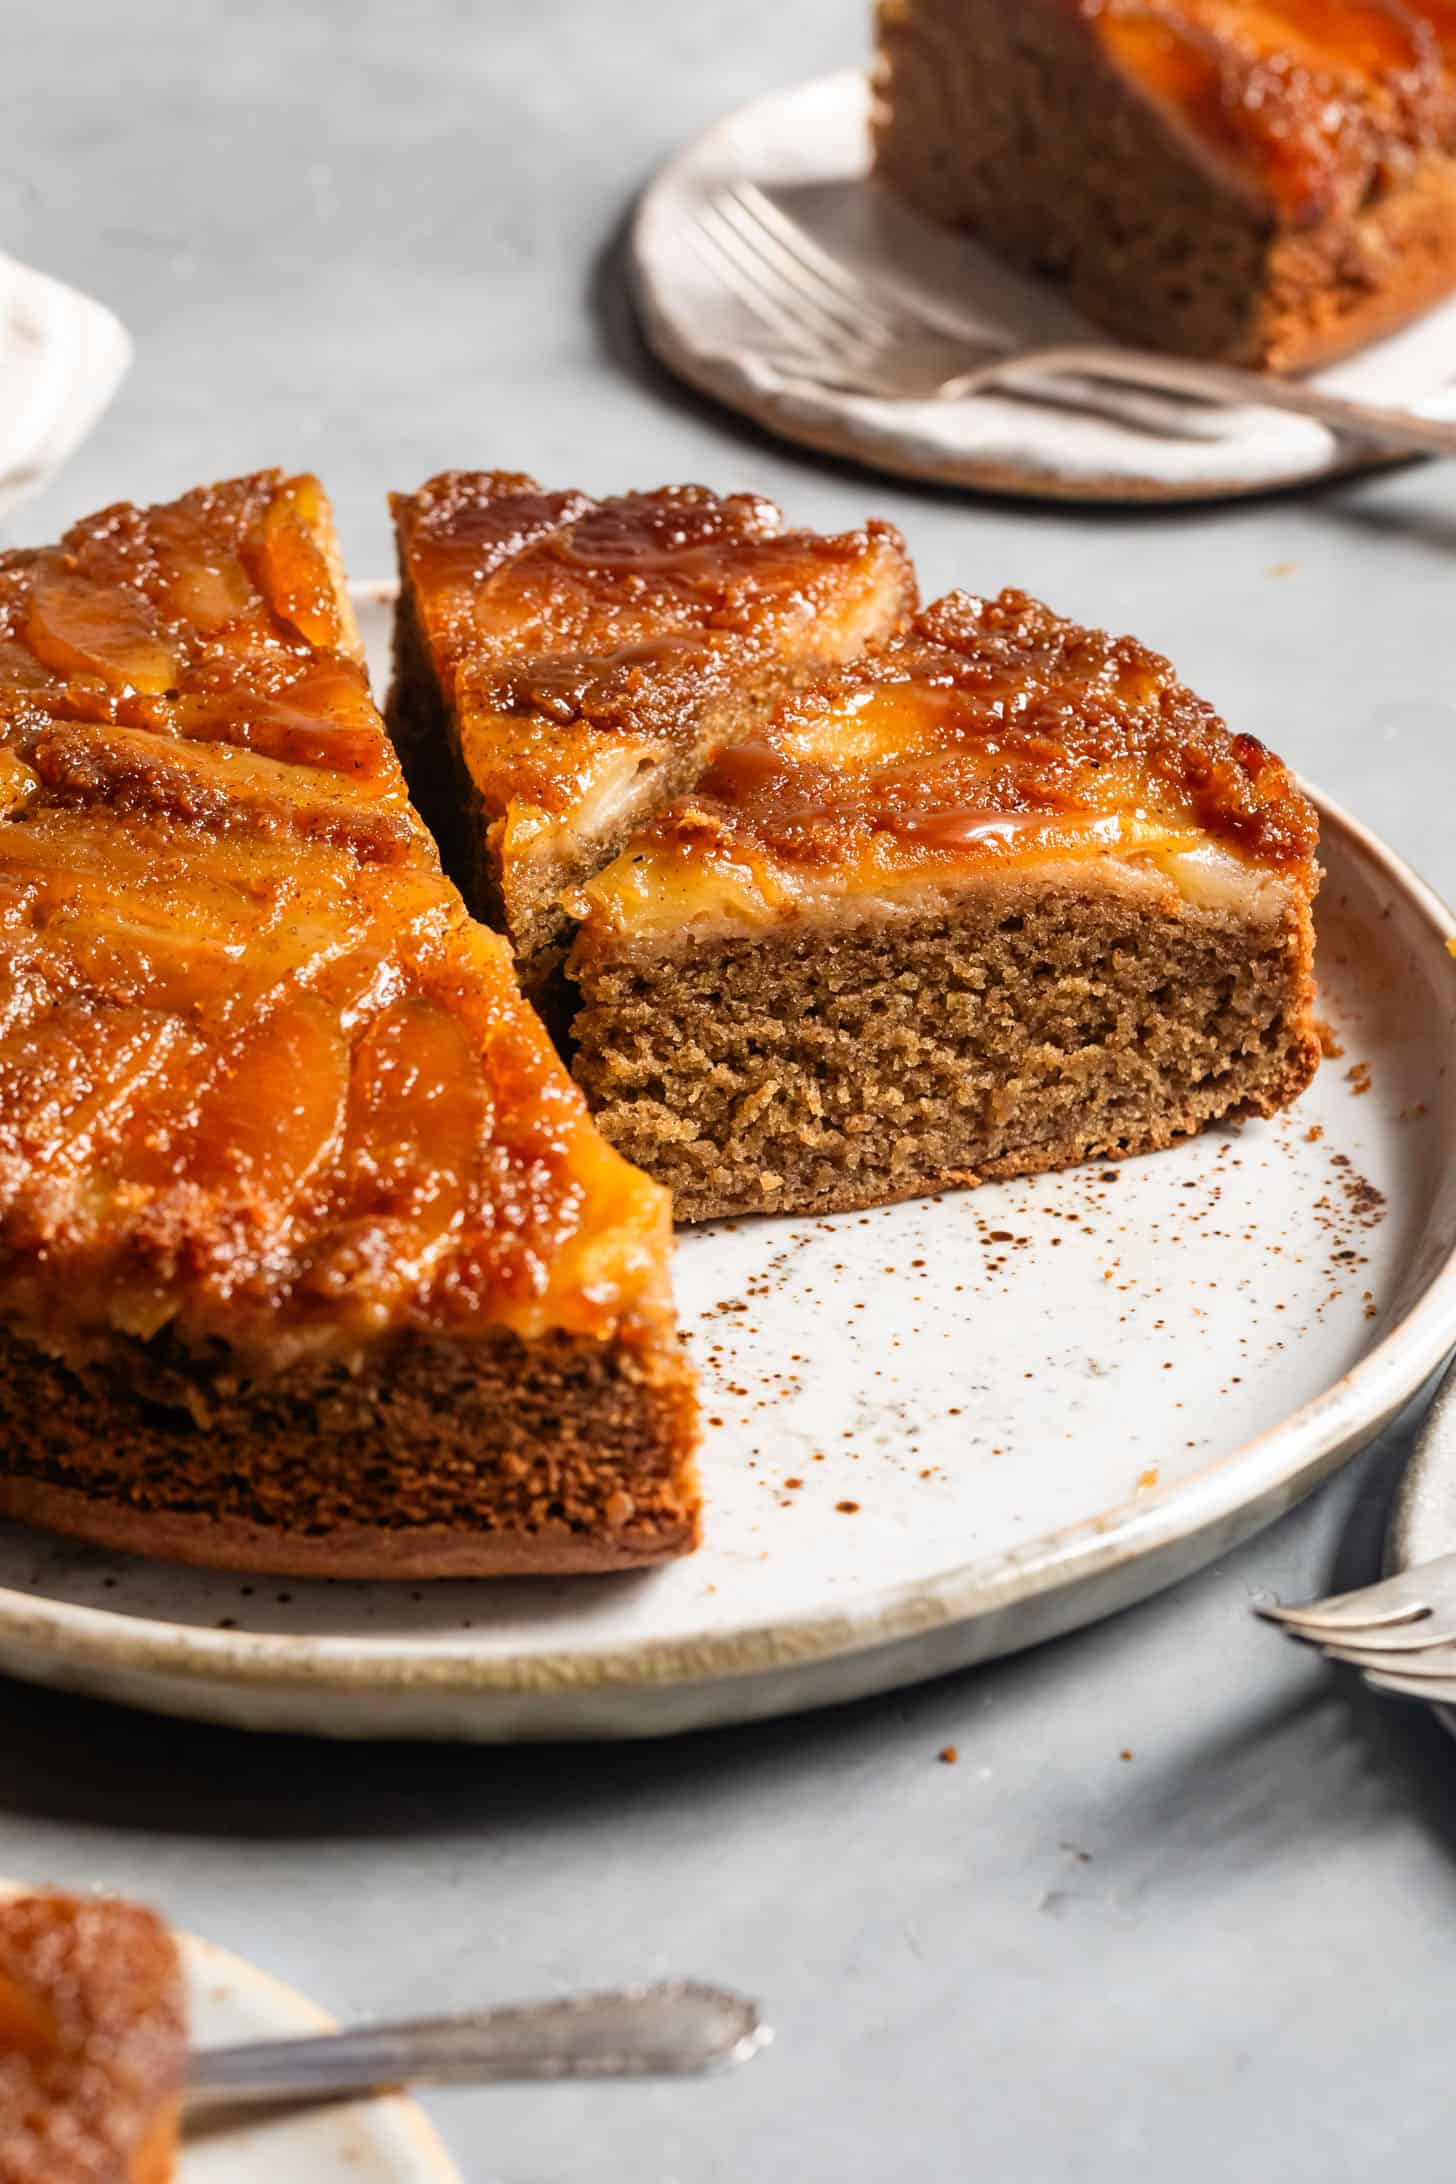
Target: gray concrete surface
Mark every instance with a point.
(377, 240)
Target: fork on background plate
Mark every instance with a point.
(828, 326)
(1400, 1633)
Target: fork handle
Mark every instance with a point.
(675, 2029)
(1398, 429)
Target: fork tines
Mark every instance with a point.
(1401, 1633)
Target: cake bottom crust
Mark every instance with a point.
(352, 1551)
(488, 1458)
(1029, 1030)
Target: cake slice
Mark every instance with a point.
(564, 666)
(1267, 181)
(1002, 898)
(93, 2043)
(311, 1259)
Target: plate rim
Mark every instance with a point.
(715, 373)
(1313, 1439)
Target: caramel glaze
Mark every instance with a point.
(563, 629)
(92, 2041)
(1315, 106)
(990, 731)
(262, 1083)
(216, 621)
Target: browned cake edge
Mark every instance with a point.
(442, 1459)
(1349, 282)
(1106, 203)
(1031, 1028)
(155, 2160)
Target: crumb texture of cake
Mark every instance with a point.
(1002, 898)
(93, 2042)
(565, 666)
(1271, 182)
(294, 1193)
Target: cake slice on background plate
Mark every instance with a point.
(565, 666)
(1272, 182)
(311, 1259)
(1001, 898)
(93, 2042)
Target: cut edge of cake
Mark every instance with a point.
(969, 993)
(578, 1451)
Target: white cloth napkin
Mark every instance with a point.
(62, 357)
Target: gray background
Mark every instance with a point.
(376, 240)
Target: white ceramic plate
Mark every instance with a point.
(938, 1432)
(386, 2141)
(808, 147)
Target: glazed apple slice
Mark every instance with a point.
(78, 627)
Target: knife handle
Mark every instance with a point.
(674, 2029)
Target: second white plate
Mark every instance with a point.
(808, 146)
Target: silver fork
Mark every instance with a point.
(833, 328)
(1401, 1633)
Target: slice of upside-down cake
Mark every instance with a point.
(1001, 898)
(565, 666)
(93, 2042)
(1269, 181)
(311, 1259)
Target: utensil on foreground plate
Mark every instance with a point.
(677, 2028)
(1401, 1633)
(832, 328)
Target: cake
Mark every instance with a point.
(311, 1259)
(564, 666)
(1270, 182)
(93, 2043)
(1000, 898)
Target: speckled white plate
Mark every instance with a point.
(385, 2141)
(808, 147)
(937, 1432)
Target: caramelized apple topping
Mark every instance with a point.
(261, 1083)
(1302, 98)
(991, 733)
